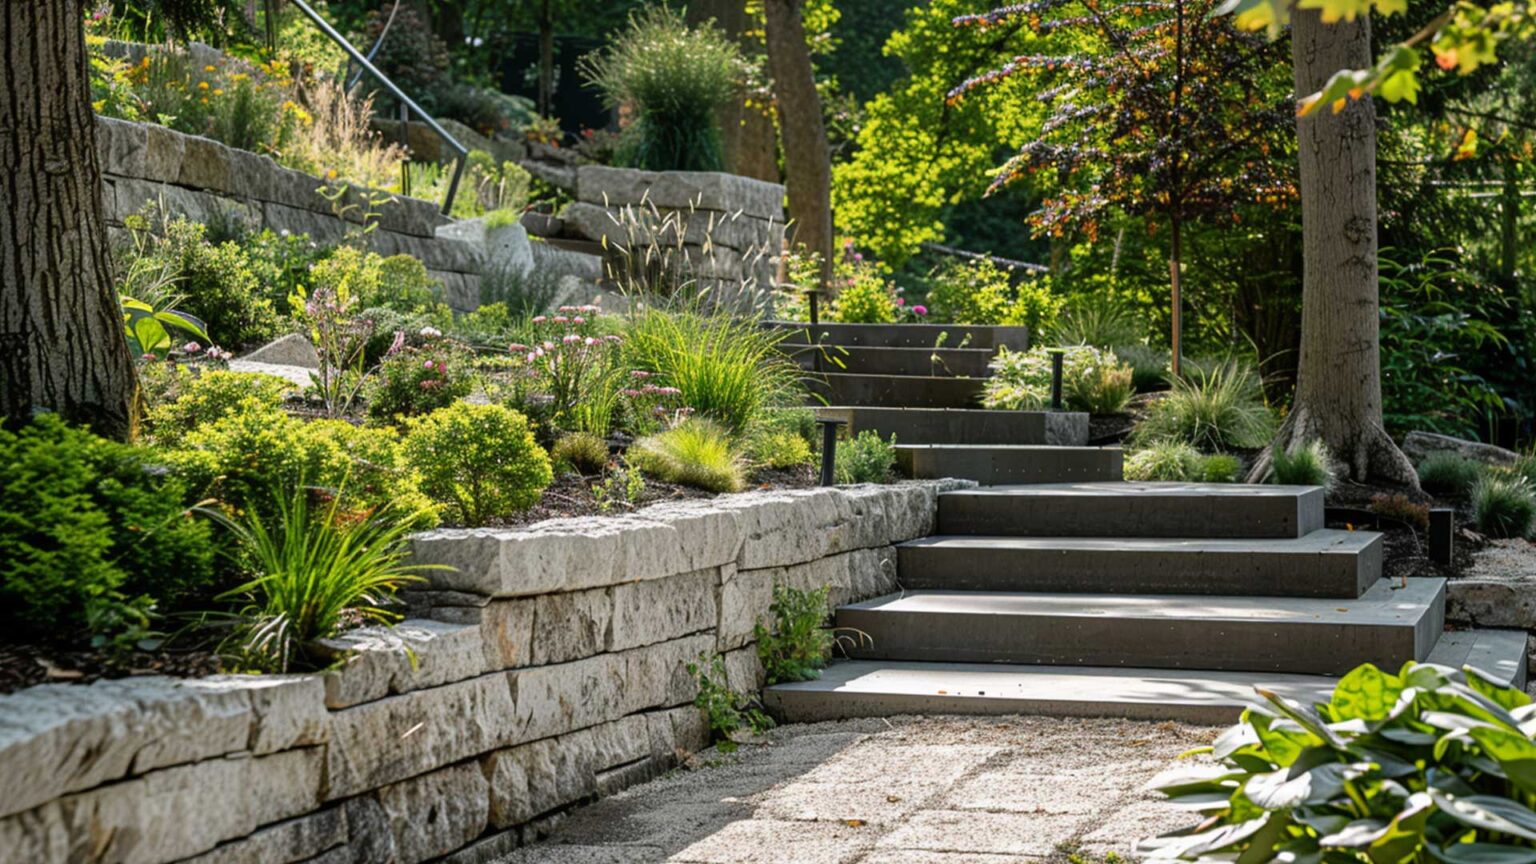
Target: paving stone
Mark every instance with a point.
(1035, 834)
(755, 841)
(436, 813)
(880, 803)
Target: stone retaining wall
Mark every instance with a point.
(547, 668)
(204, 180)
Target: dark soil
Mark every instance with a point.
(1405, 546)
(22, 666)
(1108, 429)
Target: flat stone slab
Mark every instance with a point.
(906, 335)
(1316, 636)
(301, 376)
(1126, 509)
(1324, 563)
(1011, 464)
(965, 425)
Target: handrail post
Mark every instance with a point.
(399, 94)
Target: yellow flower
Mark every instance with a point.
(331, 174)
(239, 76)
(209, 69)
(218, 91)
(202, 85)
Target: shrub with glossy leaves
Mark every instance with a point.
(1504, 505)
(1424, 765)
(480, 461)
(696, 452)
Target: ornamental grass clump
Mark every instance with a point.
(1504, 505)
(674, 76)
(1424, 765)
(1307, 465)
(696, 452)
(1220, 408)
(1448, 474)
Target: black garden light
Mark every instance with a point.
(1057, 356)
(829, 427)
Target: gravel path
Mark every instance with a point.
(936, 790)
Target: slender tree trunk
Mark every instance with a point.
(1338, 387)
(1509, 227)
(546, 60)
(62, 347)
(1175, 258)
(807, 162)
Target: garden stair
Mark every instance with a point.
(1144, 600)
(923, 383)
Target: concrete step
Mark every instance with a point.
(870, 688)
(1004, 464)
(905, 335)
(965, 426)
(1325, 563)
(896, 391)
(941, 362)
(1387, 626)
(1184, 510)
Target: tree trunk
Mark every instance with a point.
(546, 60)
(807, 162)
(1338, 387)
(62, 347)
(1509, 223)
(749, 140)
(1175, 272)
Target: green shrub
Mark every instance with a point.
(695, 452)
(1307, 465)
(318, 570)
(725, 368)
(1221, 409)
(255, 449)
(673, 77)
(779, 450)
(1504, 505)
(865, 458)
(585, 452)
(797, 644)
(1449, 475)
(208, 397)
(91, 536)
(725, 709)
(481, 461)
(1091, 380)
(868, 300)
(404, 286)
(1165, 461)
(1416, 766)
(217, 285)
(1220, 468)
(520, 292)
(1149, 366)
(419, 380)
(981, 292)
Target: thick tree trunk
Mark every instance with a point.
(749, 139)
(1338, 388)
(807, 162)
(62, 347)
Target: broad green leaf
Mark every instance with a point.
(1261, 846)
(1241, 735)
(1489, 812)
(1284, 789)
(1366, 693)
(1284, 740)
(1405, 835)
(1267, 15)
(183, 321)
(1198, 844)
(1515, 753)
(1361, 832)
(1304, 716)
(1486, 853)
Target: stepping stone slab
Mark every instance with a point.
(965, 426)
(1003, 464)
(1185, 510)
(1387, 626)
(895, 391)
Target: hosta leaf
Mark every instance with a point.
(1366, 693)
(1193, 779)
(1486, 853)
(1515, 753)
(1506, 697)
(1361, 832)
(1197, 844)
(1283, 739)
(1405, 835)
(1488, 812)
(1237, 737)
(1304, 716)
(1410, 737)
(182, 321)
(1280, 790)
(1261, 847)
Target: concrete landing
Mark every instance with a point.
(1387, 626)
(965, 426)
(1001, 464)
(1217, 510)
(1324, 563)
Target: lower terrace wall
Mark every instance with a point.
(545, 670)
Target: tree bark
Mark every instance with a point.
(62, 347)
(546, 60)
(747, 134)
(807, 161)
(1338, 387)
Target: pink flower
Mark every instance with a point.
(548, 345)
(427, 365)
(515, 348)
(532, 356)
(571, 338)
(921, 310)
(191, 348)
(901, 301)
(397, 344)
(638, 373)
(560, 319)
(578, 320)
(540, 319)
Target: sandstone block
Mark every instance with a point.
(413, 654)
(680, 190)
(1419, 445)
(663, 609)
(122, 147)
(163, 152)
(204, 164)
(506, 629)
(551, 700)
(436, 813)
(291, 350)
(571, 625)
(287, 710)
(299, 839)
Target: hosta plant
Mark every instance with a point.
(1425, 765)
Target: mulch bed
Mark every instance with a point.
(1405, 549)
(23, 666)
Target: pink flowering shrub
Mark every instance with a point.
(421, 378)
(568, 372)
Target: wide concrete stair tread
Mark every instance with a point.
(905, 335)
(879, 360)
(1388, 625)
(885, 688)
(1326, 563)
(1007, 464)
(894, 391)
(1125, 509)
(963, 425)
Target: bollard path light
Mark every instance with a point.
(1057, 356)
(829, 426)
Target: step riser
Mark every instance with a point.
(896, 391)
(1145, 515)
(1003, 467)
(906, 335)
(893, 361)
(793, 706)
(966, 427)
(1320, 648)
(1139, 571)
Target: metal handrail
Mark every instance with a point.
(410, 105)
